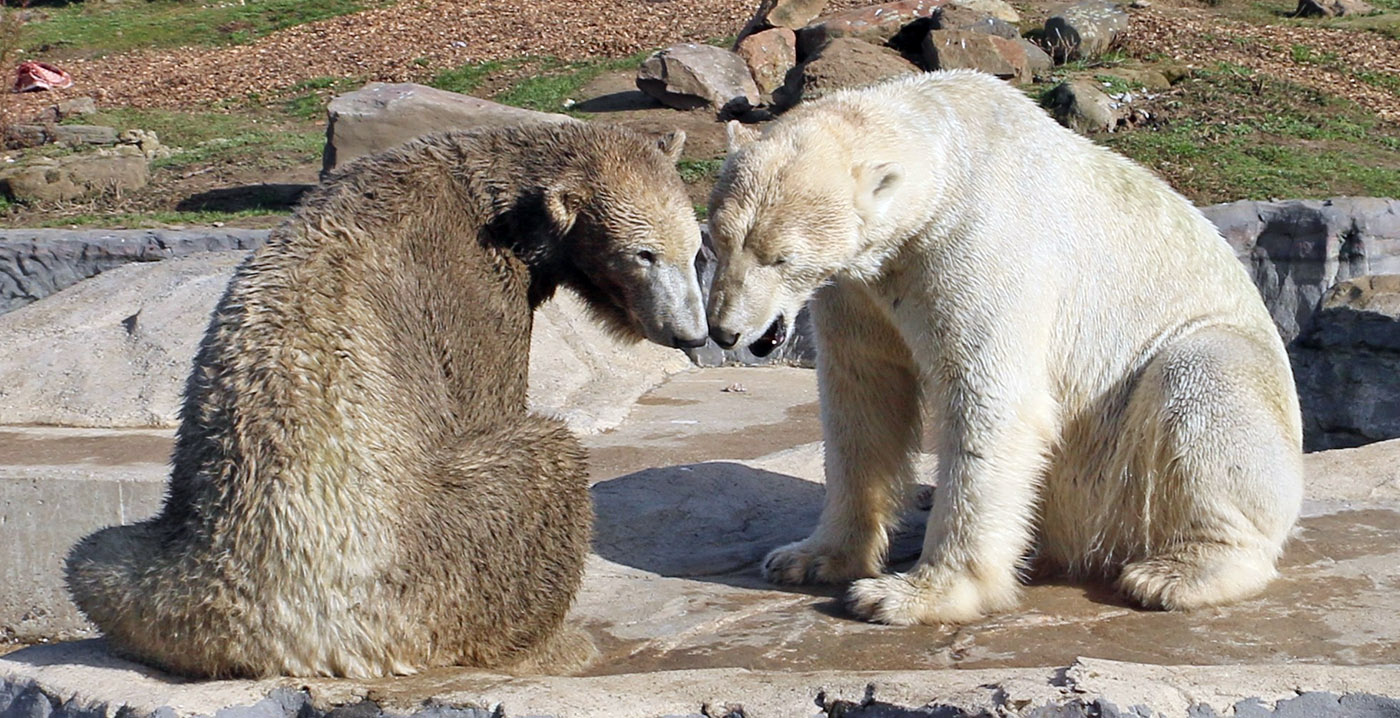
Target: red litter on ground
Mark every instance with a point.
(32, 76)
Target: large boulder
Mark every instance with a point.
(114, 351)
(47, 179)
(379, 116)
(972, 50)
(876, 24)
(842, 62)
(690, 76)
(769, 55)
(1347, 362)
(1296, 250)
(1086, 30)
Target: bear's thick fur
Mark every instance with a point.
(358, 487)
(1108, 392)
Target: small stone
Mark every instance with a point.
(76, 107)
(735, 388)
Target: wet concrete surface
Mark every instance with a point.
(716, 467)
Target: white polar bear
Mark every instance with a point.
(1104, 379)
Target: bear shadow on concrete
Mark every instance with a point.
(715, 522)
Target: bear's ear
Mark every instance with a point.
(739, 134)
(671, 145)
(876, 184)
(562, 203)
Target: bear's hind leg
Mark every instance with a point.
(870, 423)
(495, 548)
(1222, 482)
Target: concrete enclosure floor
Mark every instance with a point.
(714, 468)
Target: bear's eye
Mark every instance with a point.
(646, 256)
(780, 261)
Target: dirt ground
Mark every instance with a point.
(413, 40)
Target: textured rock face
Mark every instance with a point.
(35, 135)
(967, 49)
(1296, 250)
(1347, 365)
(379, 116)
(35, 263)
(790, 14)
(1085, 31)
(115, 351)
(689, 76)
(75, 177)
(876, 24)
(962, 17)
(769, 55)
(995, 8)
(1081, 106)
(843, 62)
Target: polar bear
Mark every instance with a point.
(1108, 392)
(358, 487)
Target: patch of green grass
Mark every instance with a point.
(702, 212)
(309, 97)
(1112, 58)
(466, 78)
(149, 219)
(558, 81)
(695, 171)
(101, 28)
(1237, 135)
(203, 137)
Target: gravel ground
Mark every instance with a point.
(415, 39)
(1198, 40)
(411, 40)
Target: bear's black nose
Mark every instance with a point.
(726, 340)
(681, 343)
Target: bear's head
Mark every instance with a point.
(629, 235)
(789, 211)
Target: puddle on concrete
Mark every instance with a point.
(1335, 602)
(801, 425)
(22, 449)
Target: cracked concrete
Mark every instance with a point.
(708, 472)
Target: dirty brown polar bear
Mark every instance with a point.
(358, 487)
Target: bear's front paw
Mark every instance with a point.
(809, 562)
(927, 597)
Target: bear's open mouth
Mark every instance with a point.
(771, 339)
